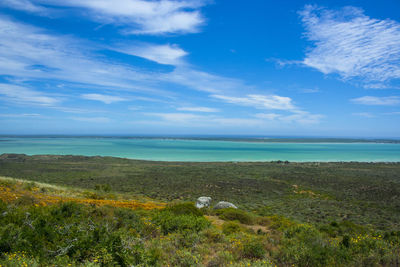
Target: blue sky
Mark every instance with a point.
(194, 67)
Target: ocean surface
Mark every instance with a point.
(201, 150)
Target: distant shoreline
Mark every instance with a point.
(53, 156)
(209, 150)
(231, 139)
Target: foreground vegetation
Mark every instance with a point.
(96, 211)
(70, 233)
(317, 193)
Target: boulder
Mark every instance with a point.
(224, 205)
(203, 202)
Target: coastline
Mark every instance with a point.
(6, 155)
(196, 150)
(302, 140)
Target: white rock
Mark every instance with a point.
(224, 205)
(203, 202)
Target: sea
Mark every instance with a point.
(175, 149)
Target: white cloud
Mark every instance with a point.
(377, 101)
(135, 16)
(162, 54)
(22, 95)
(24, 5)
(353, 45)
(274, 102)
(198, 109)
(107, 99)
(30, 53)
(260, 101)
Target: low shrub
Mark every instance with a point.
(253, 248)
(280, 222)
(186, 208)
(213, 235)
(171, 222)
(236, 215)
(103, 187)
(229, 228)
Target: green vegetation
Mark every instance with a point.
(363, 193)
(80, 235)
(301, 214)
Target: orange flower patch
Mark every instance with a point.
(8, 194)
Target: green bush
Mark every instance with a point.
(229, 228)
(280, 222)
(186, 208)
(213, 235)
(232, 214)
(171, 222)
(103, 187)
(68, 233)
(253, 248)
(304, 245)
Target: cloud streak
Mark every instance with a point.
(22, 95)
(152, 17)
(354, 46)
(260, 101)
(377, 101)
(162, 54)
(106, 99)
(198, 109)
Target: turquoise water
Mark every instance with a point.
(201, 150)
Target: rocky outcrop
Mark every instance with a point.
(203, 202)
(224, 205)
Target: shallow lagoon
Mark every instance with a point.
(201, 150)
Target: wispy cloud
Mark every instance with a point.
(176, 117)
(310, 91)
(196, 120)
(23, 115)
(392, 113)
(152, 17)
(298, 117)
(260, 101)
(364, 114)
(92, 119)
(29, 53)
(291, 113)
(259, 120)
(202, 81)
(23, 95)
(162, 54)
(268, 116)
(198, 109)
(107, 99)
(353, 45)
(25, 5)
(377, 101)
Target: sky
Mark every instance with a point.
(200, 67)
